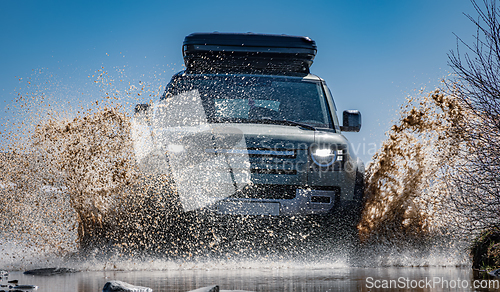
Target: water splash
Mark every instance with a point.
(75, 184)
(68, 171)
(407, 183)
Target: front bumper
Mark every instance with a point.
(306, 202)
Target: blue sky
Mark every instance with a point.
(372, 54)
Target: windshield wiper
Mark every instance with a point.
(282, 122)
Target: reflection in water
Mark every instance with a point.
(262, 278)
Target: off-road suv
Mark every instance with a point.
(247, 130)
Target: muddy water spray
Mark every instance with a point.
(407, 181)
(74, 183)
(66, 180)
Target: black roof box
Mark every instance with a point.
(248, 52)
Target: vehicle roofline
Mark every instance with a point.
(308, 76)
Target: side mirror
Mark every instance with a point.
(142, 113)
(141, 108)
(351, 121)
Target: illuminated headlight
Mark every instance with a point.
(175, 148)
(323, 157)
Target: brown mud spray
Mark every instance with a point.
(74, 183)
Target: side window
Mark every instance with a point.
(333, 107)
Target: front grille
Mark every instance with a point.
(257, 152)
(272, 161)
(273, 171)
(265, 152)
(273, 192)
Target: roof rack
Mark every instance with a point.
(248, 52)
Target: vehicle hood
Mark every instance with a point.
(276, 136)
(231, 135)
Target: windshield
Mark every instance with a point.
(252, 99)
